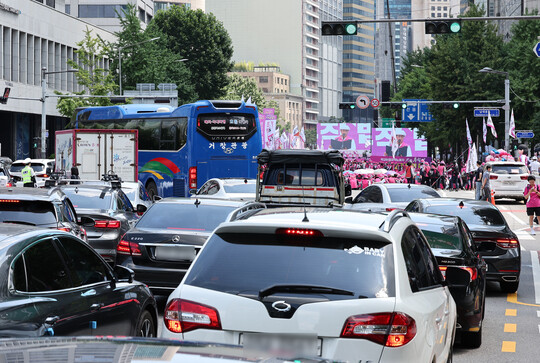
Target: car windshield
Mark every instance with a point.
(88, 198)
(469, 214)
(405, 194)
(509, 169)
(442, 236)
(188, 217)
(242, 263)
(38, 213)
(240, 188)
(38, 167)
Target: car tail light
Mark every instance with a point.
(508, 243)
(128, 248)
(524, 177)
(45, 176)
(107, 224)
(299, 232)
(9, 201)
(9, 185)
(390, 209)
(181, 316)
(471, 270)
(493, 177)
(65, 229)
(193, 177)
(388, 329)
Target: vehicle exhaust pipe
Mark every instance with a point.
(509, 278)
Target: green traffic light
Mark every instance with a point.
(352, 106)
(455, 27)
(350, 29)
(403, 105)
(456, 105)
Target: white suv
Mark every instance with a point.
(508, 179)
(42, 168)
(343, 285)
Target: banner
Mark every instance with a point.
(398, 160)
(268, 129)
(343, 136)
(409, 143)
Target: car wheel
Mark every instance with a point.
(151, 189)
(509, 287)
(471, 339)
(146, 326)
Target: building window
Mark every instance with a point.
(142, 16)
(263, 79)
(100, 11)
(68, 9)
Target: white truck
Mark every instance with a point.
(98, 152)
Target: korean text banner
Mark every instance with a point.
(409, 143)
(342, 136)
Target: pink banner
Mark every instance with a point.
(343, 136)
(268, 129)
(409, 143)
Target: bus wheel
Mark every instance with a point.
(151, 189)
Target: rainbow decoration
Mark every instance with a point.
(160, 166)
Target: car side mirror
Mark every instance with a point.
(124, 274)
(141, 208)
(48, 170)
(349, 200)
(155, 198)
(348, 190)
(193, 191)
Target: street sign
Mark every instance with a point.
(387, 122)
(485, 112)
(362, 101)
(524, 134)
(537, 49)
(375, 103)
(416, 111)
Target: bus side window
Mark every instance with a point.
(169, 133)
(182, 131)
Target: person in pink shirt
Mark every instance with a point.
(532, 193)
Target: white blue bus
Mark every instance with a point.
(179, 149)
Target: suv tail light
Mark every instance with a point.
(107, 224)
(193, 177)
(128, 248)
(493, 177)
(388, 329)
(299, 232)
(471, 270)
(181, 316)
(508, 243)
(524, 177)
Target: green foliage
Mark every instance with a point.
(95, 79)
(311, 137)
(245, 87)
(243, 67)
(203, 40)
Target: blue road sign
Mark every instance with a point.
(525, 134)
(537, 49)
(416, 111)
(484, 112)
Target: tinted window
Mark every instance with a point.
(84, 266)
(226, 127)
(44, 268)
(419, 261)
(469, 214)
(240, 188)
(204, 218)
(247, 263)
(29, 212)
(509, 169)
(398, 195)
(38, 167)
(371, 195)
(443, 239)
(89, 198)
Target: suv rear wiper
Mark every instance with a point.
(302, 289)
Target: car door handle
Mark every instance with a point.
(51, 320)
(96, 306)
(446, 312)
(438, 320)
(91, 292)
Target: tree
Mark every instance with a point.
(244, 87)
(202, 39)
(96, 80)
(311, 138)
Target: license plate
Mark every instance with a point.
(290, 345)
(508, 182)
(175, 253)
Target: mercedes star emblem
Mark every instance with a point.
(176, 239)
(281, 306)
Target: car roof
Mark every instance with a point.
(402, 186)
(9, 230)
(235, 181)
(456, 201)
(97, 188)
(45, 194)
(45, 161)
(437, 219)
(505, 163)
(202, 201)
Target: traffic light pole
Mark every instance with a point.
(423, 20)
(507, 113)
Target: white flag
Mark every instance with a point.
(485, 129)
(394, 143)
(469, 138)
(512, 125)
(489, 124)
(303, 134)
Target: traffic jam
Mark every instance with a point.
(291, 263)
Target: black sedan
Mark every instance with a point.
(54, 283)
(164, 242)
(106, 214)
(452, 244)
(494, 239)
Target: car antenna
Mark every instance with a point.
(197, 202)
(461, 204)
(409, 186)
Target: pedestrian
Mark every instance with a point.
(534, 165)
(486, 187)
(28, 174)
(532, 193)
(409, 173)
(478, 178)
(454, 177)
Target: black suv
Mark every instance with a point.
(106, 213)
(46, 208)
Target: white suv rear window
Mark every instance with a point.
(509, 169)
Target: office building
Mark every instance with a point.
(431, 9)
(191, 4)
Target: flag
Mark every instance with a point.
(303, 135)
(490, 124)
(284, 139)
(471, 159)
(393, 142)
(485, 129)
(469, 138)
(512, 125)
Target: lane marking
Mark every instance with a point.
(513, 312)
(512, 298)
(536, 275)
(519, 220)
(538, 313)
(510, 328)
(508, 347)
(524, 235)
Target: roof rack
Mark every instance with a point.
(391, 219)
(246, 210)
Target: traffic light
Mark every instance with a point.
(37, 141)
(403, 105)
(347, 105)
(454, 105)
(385, 91)
(443, 26)
(5, 96)
(339, 28)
